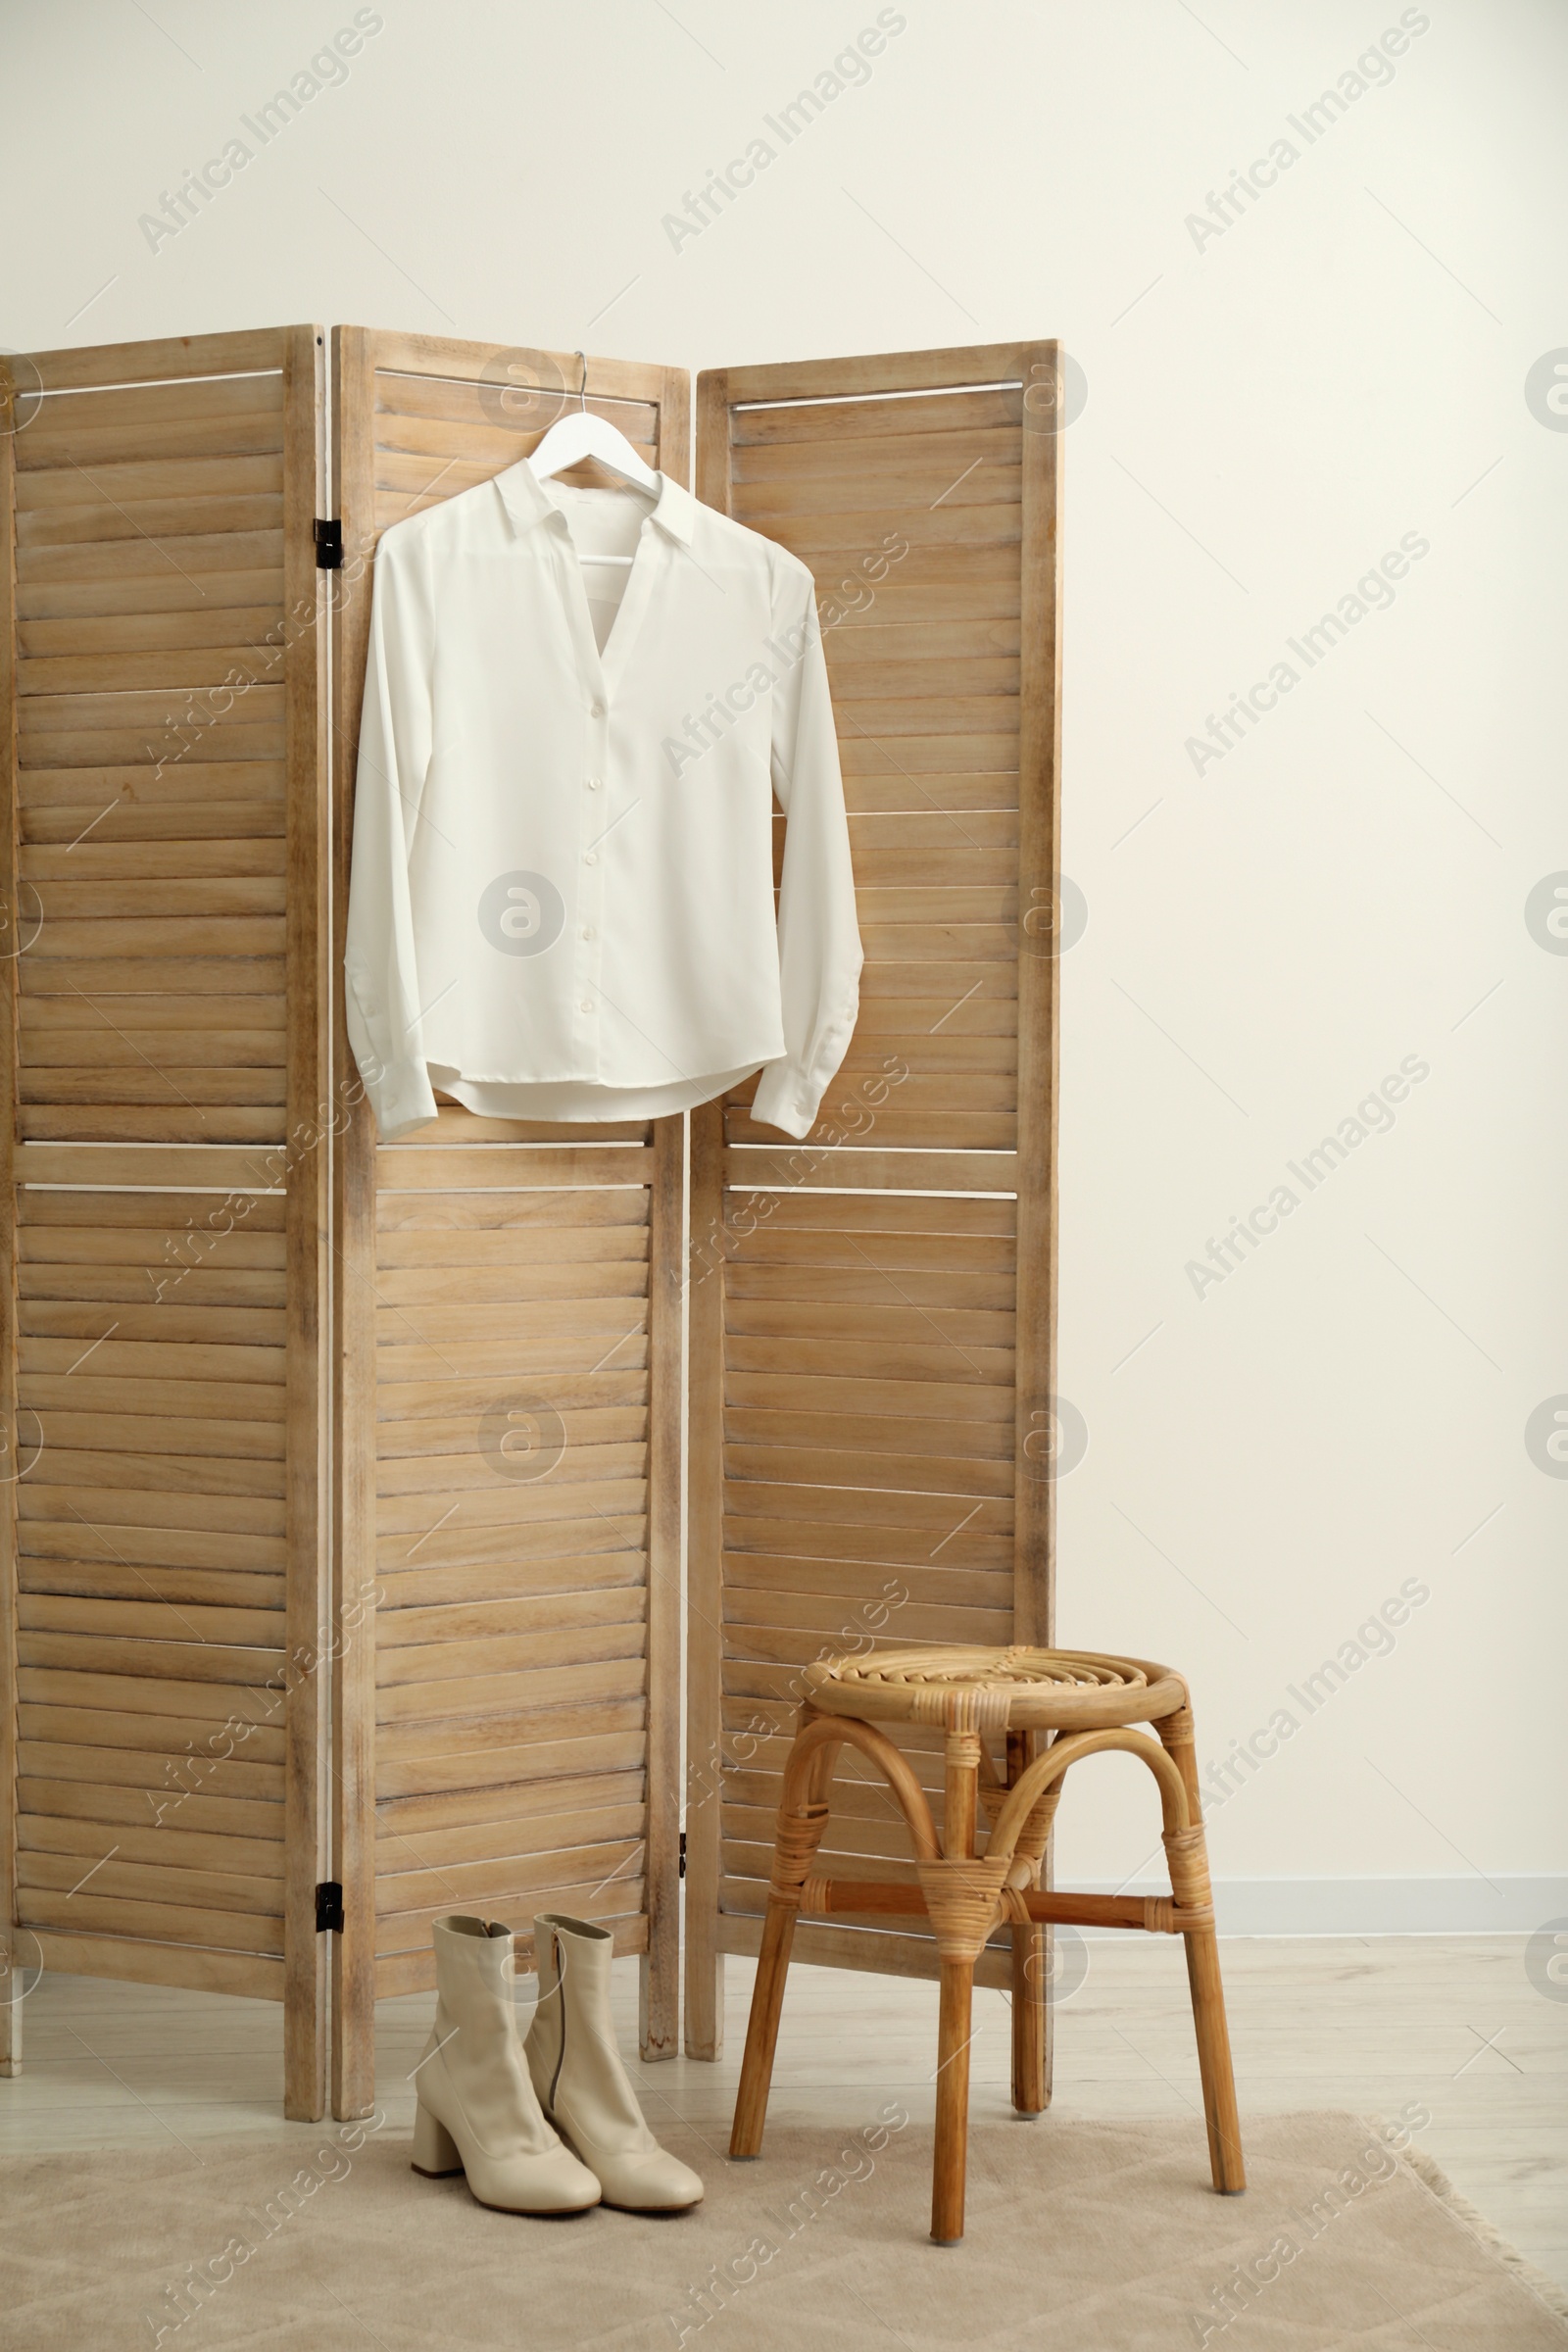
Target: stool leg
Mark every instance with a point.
(1214, 2062)
(797, 1835)
(1030, 2096)
(1031, 2076)
(952, 2157)
(1189, 1883)
(762, 2030)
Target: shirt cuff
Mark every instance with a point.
(402, 1101)
(783, 1101)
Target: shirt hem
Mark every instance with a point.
(580, 1101)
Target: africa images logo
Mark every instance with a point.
(522, 913)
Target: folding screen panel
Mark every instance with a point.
(165, 1183)
(871, 1312)
(509, 1337)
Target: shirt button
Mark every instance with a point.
(587, 1004)
(588, 931)
(593, 783)
(592, 857)
(595, 710)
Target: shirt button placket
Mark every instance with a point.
(590, 929)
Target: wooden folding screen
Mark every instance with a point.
(513, 1709)
(164, 1035)
(871, 1438)
(871, 1313)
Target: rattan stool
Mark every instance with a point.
(1085, 1702)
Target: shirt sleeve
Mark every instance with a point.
(382, 996)
(818, 938)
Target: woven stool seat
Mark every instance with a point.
(1013, 1721)
(975, 1690)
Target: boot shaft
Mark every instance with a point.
(477, 2105)
(473, 1976)
(474, 2062)
(576, 2069)
(572, 2046)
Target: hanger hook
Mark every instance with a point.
(582, 388)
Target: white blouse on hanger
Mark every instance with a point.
(562, 895)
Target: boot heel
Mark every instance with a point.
(435, 2151)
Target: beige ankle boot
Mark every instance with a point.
(478, 2112)
(581, 2083)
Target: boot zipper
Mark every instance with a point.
(561, 1996)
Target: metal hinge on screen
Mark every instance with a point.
(329, 1908)
(328, 545)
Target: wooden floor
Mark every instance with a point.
(1450, 2024)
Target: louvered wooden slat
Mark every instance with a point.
(937, 1584)
(47, 1824)
(148, 1907)
(105, 518)
(807, 420)
(146, 1740)
(136, 426)
(107, 1783)
(172, 636)
(582, 1462)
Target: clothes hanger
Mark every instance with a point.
(580, 434)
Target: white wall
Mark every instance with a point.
(1270, 410)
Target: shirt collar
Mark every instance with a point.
(524, 500)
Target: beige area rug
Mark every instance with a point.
(1098, 2237)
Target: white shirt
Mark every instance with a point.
(562, 894)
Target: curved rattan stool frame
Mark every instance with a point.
(966, 1893)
